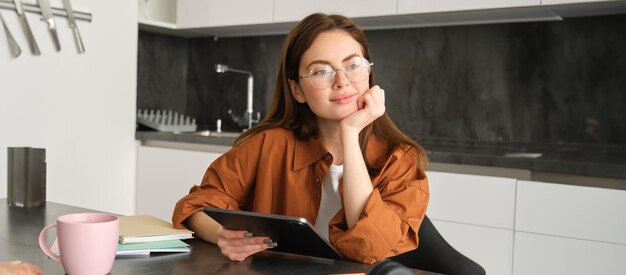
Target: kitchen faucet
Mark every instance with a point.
(246, 119)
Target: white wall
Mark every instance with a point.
(80, 107)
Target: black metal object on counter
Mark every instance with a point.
(26, 181)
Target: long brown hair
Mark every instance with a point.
(284, 111)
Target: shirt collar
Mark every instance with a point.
(308, 151)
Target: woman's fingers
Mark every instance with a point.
(243, 241)
(378, 100)
(230, 234)
(19, 268)
(31, 269)
(251, 248)
(374, 100)
(242, 255)
(237, 245)
(371, 105)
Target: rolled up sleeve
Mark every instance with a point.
(391, 218)
(226, 184)
(201, 196)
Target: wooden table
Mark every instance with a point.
(20, 227)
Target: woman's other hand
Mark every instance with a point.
(237, 245)
(18, 268)
(371, 105)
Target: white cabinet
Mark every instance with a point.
(557, 2)
(490, 247)
(525, 227)
(588, 213)
(565, 229)
(262, 17)
(580, 8)
(428, 6)
(544, 254)
(295, 10)
(475, 214)
(219, 13)
(166, 175)
(157, 12)
(191, 14)
(472, 199)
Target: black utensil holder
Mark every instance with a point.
(26, 173)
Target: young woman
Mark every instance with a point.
(326, 151)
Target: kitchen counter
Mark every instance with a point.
(197, 138)
(607, 161)
(587, 162)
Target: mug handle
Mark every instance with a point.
(44, 247)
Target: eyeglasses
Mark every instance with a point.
(322, 76)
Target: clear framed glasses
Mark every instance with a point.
(322, 76)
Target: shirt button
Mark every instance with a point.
(317, 180)
(327, 157)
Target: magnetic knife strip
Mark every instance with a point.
(48, 13)
(34, 8)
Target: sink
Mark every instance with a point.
(523, 155)
(216, 134)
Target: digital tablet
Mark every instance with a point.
(293, 234)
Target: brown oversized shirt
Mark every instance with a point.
(274, 172)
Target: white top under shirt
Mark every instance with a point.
(330, 202)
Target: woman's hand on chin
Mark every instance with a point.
(371, 105)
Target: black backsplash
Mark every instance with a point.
(558, 82)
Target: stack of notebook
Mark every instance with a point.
(143, 234)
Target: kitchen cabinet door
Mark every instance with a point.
(492, 248)
(558, 2)
(544, 254)
(424, 6)
(218, 13)
(165, 175)
(157, 11)
(472, 199)
(589, 213)
(295, 10)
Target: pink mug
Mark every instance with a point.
(87, 242)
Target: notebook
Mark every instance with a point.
(140, 249)
(146, 228)
(150, 247)
(293, 234)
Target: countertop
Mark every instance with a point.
(604, 161)
(599, 161)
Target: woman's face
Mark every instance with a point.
(339, 50)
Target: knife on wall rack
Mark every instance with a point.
(32, 43)
(46, 12)
(72, 22)
(13, 46)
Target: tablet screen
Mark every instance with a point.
(293, 234)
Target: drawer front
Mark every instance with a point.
(164, 176)
(572, 211)
(421, 6)
(541, 254)
(492, 248)
(479, 200)
(558, 2)
(216, 13)
(295, 10)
